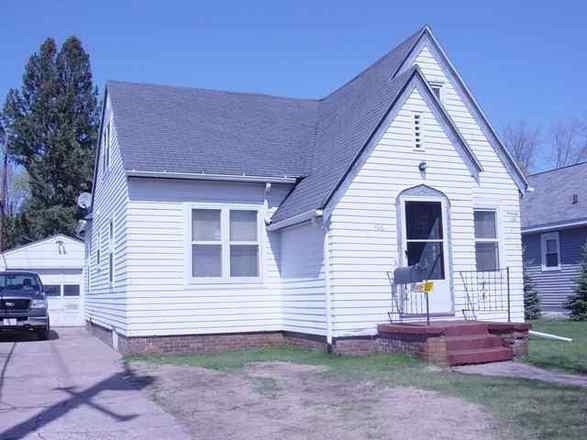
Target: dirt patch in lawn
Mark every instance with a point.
(280, 400)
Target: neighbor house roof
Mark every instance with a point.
(552, 203)
(183, 130)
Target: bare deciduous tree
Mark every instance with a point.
(569, 143)
(522, 142)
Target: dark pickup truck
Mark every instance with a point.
(23, 303)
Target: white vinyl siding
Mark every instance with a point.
(106, 302)
(496, 186)
(162, 300)
(303, 279)
(363, 238)
(364, 228)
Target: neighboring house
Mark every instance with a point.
(220, 214)
(59, 261)
(554, 231)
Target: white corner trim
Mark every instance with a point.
(203, 176)
(304, 216)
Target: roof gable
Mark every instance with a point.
(344, 154)
(44, 242)
(428, 39)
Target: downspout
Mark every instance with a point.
(327, 288)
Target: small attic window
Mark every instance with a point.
(417, 130)
(575, 199)
(436, 89)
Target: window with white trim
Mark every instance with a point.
(224, 243)
(550, 245)
(486, 240)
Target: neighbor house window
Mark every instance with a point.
(486, 240)
(550, 245)
(224, 243)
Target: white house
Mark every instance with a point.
(59, 262)
(225, 219)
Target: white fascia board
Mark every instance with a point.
(554, 227)
(221, 177)
(300, 218)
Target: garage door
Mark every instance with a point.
(64, 292)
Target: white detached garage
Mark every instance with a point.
(58, 260)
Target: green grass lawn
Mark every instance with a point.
(527, 409)
(567, 356)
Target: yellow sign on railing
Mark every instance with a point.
(425, 287)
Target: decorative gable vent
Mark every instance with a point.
(418, 130)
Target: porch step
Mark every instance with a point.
(466, 329)
(479, 356)
(472, 342)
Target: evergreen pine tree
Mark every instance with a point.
(51, 128)
(532, 307)
(577, 303)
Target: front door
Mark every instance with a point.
(424, 244)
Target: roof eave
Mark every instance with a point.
(217, 177)
(554, 226)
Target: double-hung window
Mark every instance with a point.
(486, 240)
(224, 243)
(550, 246)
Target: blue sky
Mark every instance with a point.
(519, 58)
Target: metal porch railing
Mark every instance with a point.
(487, 291)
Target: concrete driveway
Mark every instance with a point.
(75, 387)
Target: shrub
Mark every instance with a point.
(532, 307)
(577, 303)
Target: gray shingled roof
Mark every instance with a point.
(550, 203)
(186, 130)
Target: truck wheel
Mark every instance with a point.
(43, 334)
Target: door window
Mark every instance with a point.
(425, 238)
